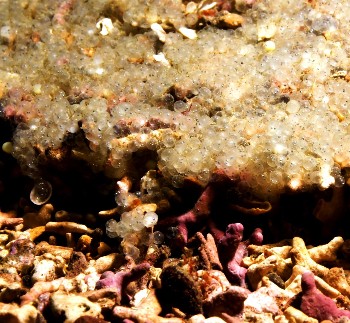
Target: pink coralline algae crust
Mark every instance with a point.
(193, 217)
(200, 213)
(232, 250)
(230, 302)
(121, 279)
(21, 254)
(317, 305)
(230, 245)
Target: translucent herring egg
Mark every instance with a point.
(7, 147)
(111, 228)
(41, 192)
(131, 251)
(150, 219)
(158, 237)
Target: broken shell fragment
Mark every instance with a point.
(46, 268)
(231, 301)
(188, 33)
(105, 26)
(253, 207)
(300, 256)
(36, 232)
(10, 222)
(108, 262)
(40, 218)
(159, 31)
(43, 247)
(67, 227)
(73, 306)
(327, 252)
(21, 314)
(294, 315)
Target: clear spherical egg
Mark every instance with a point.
(41, 192)
(150, 219)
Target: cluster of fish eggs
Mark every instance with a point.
(267, 103)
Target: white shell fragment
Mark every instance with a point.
(105, 25)
(161, 58)
(37, 88)
(269, 46)
(191, 7)
(159, 31)
(188, 33)
(44, 270)
(208, 6)
(266, 31)
(5, 32)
